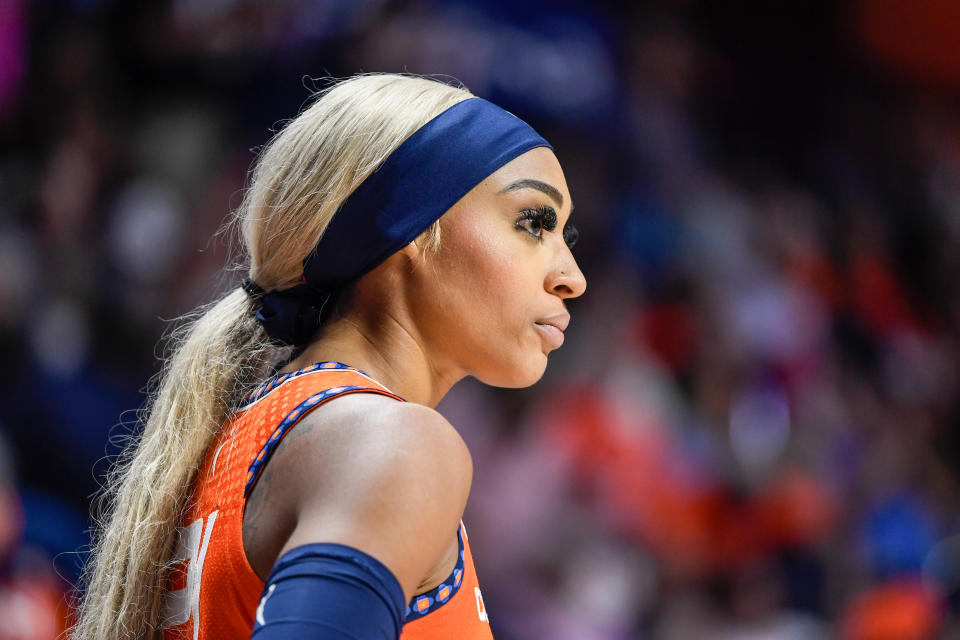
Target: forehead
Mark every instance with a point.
(537, 164)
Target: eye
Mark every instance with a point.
(536, 221)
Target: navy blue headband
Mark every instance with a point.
(425, 176)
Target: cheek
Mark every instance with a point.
(479, 303)
(482, 279)
(498, 344)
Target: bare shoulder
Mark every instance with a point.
(384, 428)
(389, 478)
(371, 437)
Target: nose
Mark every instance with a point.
(565, 278)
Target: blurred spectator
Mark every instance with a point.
(752, 430)
(33, 601)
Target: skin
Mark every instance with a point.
(363, 464)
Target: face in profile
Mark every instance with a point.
(491, 301)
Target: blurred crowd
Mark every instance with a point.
(753, 430)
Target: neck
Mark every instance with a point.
(386, 350)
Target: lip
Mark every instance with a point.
(552, 328)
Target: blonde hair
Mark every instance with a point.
(220, 351)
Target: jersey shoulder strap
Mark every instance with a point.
(312, 391)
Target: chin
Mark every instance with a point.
(516, 374)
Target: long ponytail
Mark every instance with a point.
(217, 355)
(220, 351)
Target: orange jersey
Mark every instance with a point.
(213, 592)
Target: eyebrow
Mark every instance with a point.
(530, 183)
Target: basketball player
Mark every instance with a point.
(293, 479)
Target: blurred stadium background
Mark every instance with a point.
(753, 430)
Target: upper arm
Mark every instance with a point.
(388, 478)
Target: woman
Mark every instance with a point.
(325, 500)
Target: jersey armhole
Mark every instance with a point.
(425, 603)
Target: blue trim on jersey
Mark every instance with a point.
(292, 418)
(428, 602)
(276, 380)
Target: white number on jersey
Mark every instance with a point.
(481, 608)
(192, 543)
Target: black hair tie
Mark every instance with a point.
(256, 291)
(290, 316)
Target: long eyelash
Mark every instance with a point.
(543, 214)
(570, 235)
